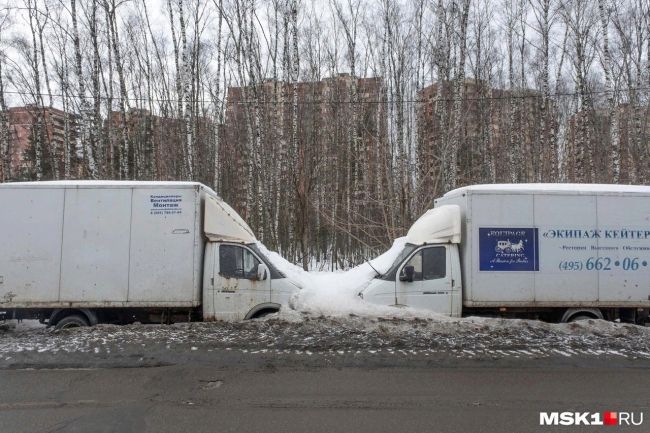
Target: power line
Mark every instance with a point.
(263, 101)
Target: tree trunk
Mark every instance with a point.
(218, 102)
(452, 170)
(5, 151)
(187, 112)
(126, 168)
(37, 127)
(614, 140)
(83, 131)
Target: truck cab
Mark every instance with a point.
(239, 281)
(426, 274)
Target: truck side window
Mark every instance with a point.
(231, 261)
(416, 262)
(237, 262)
(434, 263)
(250, 265)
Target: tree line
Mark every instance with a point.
(330, 124)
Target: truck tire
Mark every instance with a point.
(580, 317)
(71, 321)
(575, 314)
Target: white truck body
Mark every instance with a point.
(118, 246)
(543, 248)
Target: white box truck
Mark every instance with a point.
(87, 252)
(559, 252)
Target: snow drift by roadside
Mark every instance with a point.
(336, 293)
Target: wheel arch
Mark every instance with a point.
(262, 308)
(572, 312)
(60, 313)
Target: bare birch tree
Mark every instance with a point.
(83, 142)
(452, 169)
(614, 144)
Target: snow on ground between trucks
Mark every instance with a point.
(335, 294)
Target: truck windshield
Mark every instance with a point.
(392, 271)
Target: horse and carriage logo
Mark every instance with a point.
(508, 249)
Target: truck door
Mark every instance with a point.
(430, 288)
(236, 285)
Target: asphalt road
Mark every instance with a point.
(252, 393)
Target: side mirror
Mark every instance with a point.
(407, 274)
(262, 272)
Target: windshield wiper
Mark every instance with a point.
(373, 268)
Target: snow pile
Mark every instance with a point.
(336, 293)
(22, 325)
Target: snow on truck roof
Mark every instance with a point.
(576, 188)
(436, 226)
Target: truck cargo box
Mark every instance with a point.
(551, 245)
(101, 244)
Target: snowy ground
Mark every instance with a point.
(307, 336)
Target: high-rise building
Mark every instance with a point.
(588, 148)
(502, 135)
(157, 145)
(332, 160)
(37, 141)
(260, 120)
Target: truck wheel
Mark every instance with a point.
(580, 317)
(71, 321)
